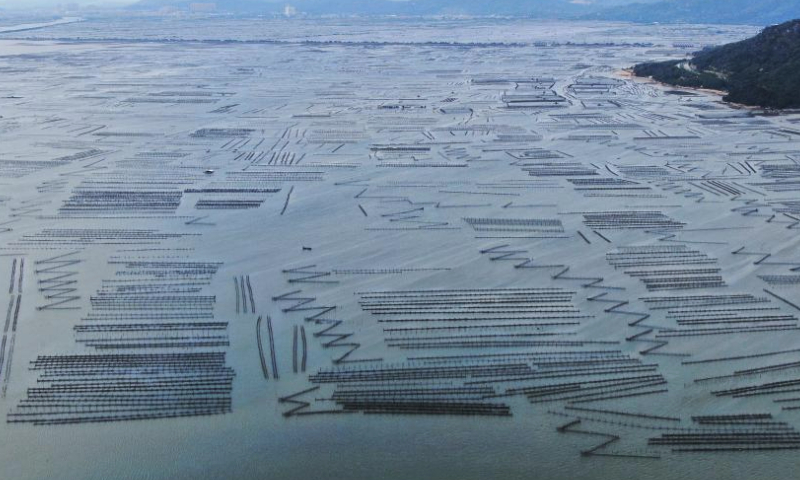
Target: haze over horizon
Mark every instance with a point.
(33, 4)
(742, 12)
(436, 239)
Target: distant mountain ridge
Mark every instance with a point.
(761, 71)
(748, 12)
(751, 12)
(529, 8)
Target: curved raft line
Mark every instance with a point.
(303, 304)
(504, 253)
(300, 406)
(596, 450)
(57, 281)
(308, 274)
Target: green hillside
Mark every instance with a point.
(761, 71)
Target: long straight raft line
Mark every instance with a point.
(264, 369)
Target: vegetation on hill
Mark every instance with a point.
(761, 71)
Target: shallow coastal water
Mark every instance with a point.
(172, 176)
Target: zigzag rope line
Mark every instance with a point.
(338, 340)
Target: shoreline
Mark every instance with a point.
(628, 73)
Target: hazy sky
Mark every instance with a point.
(50, 3)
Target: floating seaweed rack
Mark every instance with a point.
(154, 347)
